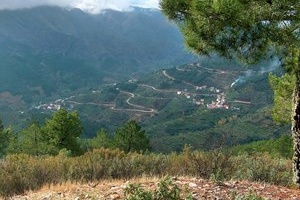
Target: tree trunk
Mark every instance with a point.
(296, 116)
(296, 132)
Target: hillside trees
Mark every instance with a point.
(33, 142)
(249, 30)
(101, 140)
(63, 130)
(61, 133)
(283, 92)
(131, 137)
(4, 138)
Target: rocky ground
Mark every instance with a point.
(199, 188)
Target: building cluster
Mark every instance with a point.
(53, 106)
(219, 103)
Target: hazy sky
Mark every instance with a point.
(93, 6)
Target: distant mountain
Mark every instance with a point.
(45, 51)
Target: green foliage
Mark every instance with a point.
(215, 165)
(169, 190)
(234, 28)
(63, 130)
(166, 190)
(249, 196)
(135, 192)
(131, 137)
(283, 89)
(262, 167)
(127, 86)
(32, 141)
(3, 139)
(281, 147)
(7, 140)
(101, 140)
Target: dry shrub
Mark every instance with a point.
(106, 164)
(214, 164)
(15, 175)
(23, 172)
(182, 163)
(263, 168)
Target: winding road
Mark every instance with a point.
(144, 109)
(140, 108)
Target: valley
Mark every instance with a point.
(171, 105)
(194, 93)
(112, 68)
(149, 99)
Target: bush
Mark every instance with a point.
(263, 168)
(166, 189)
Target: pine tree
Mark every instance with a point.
(131, 137)
(249, 30)
(7, 140)
(32, 140)
(63, 130)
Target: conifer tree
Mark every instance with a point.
(63, 130)
(7, 140)
(32, 140)
(131, 137)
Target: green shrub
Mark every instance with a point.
(135, 192)
(249, 196)
(166, 189)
